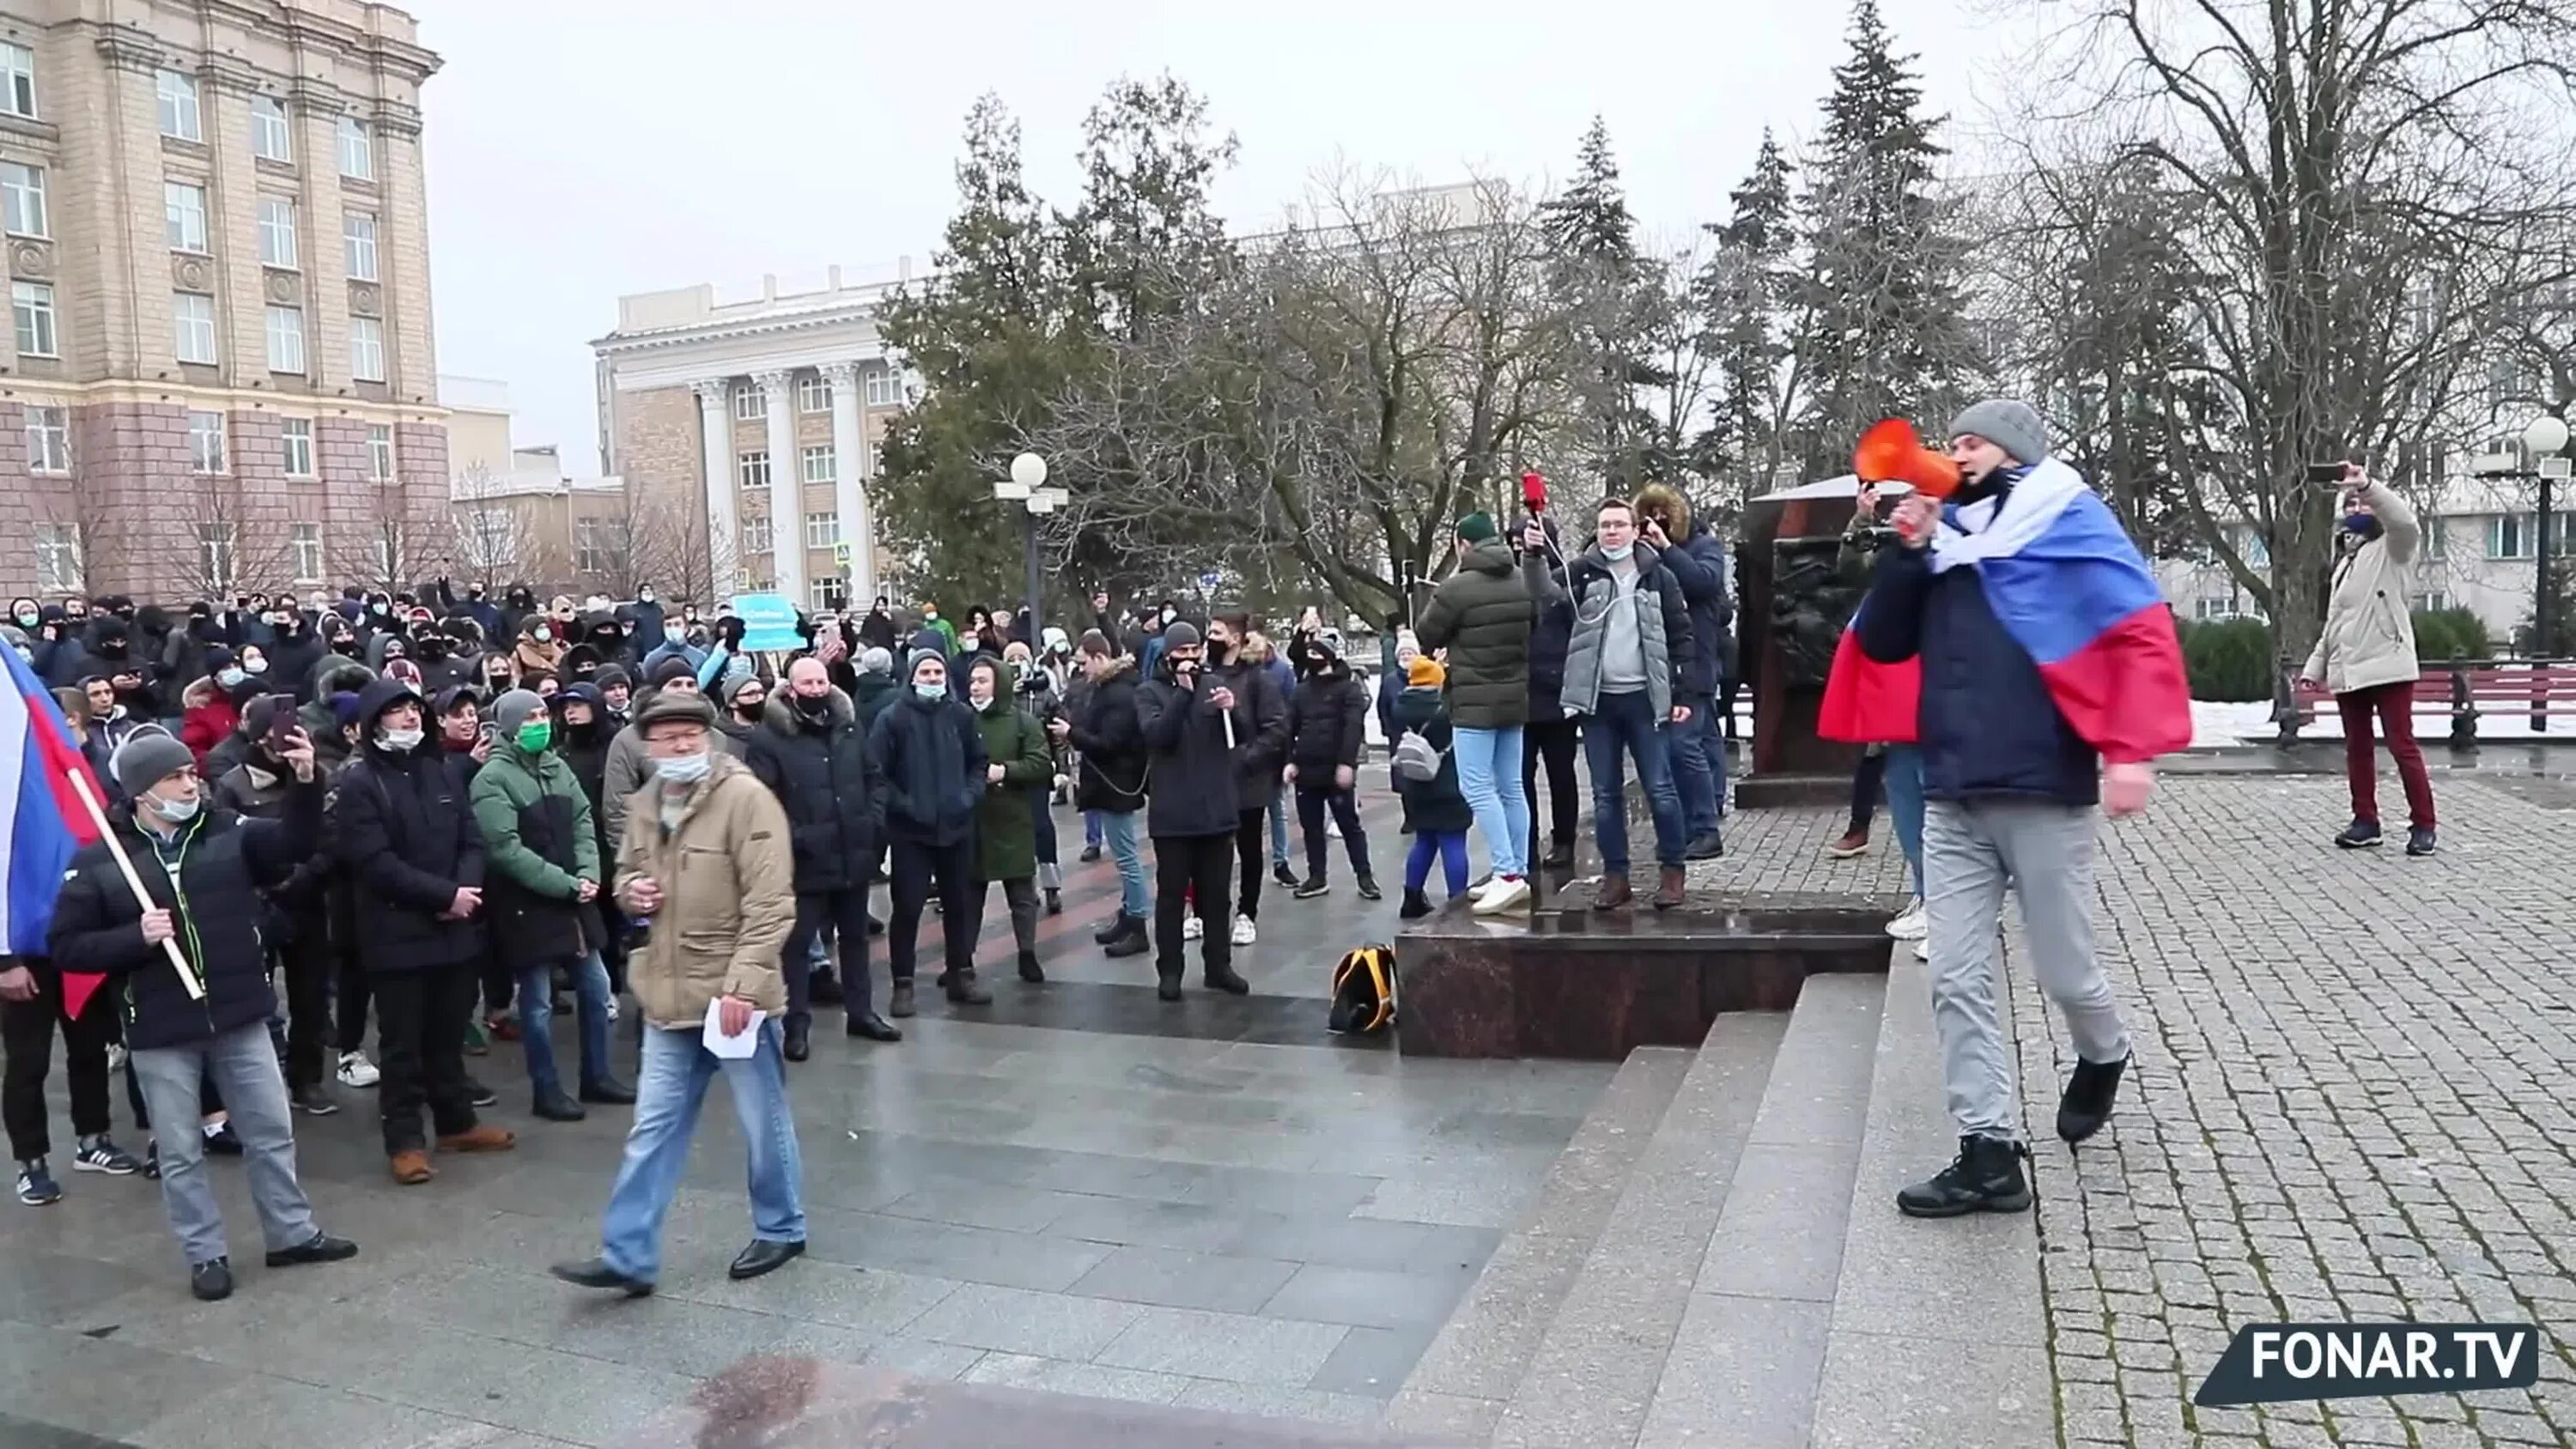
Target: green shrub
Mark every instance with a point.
(2228, 659)
(2451, 634)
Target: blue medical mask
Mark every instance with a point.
(930, 691)
(1619, 554)
(230, 678)
(684, 769)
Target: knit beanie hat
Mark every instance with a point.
(876, 660)
(1180, 634)
(344, 708)
(2012, 426)
(147, 759)
(672, 668)
(1477, 527)
(1425, 670)
(514, 708)
(613, 676)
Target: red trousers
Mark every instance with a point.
(2394, 705)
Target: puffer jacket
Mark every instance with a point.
(825, 778)
(930, 769)
(1437, 806)
(628, 766)
(1006, 845)
(2369, 634)
(1260, 728)
(1482, 615)
(1698, 564)
(728, 897)
(1663, 627)
(1327, 724)
(539, 844)
(406, 834)
(1113, 771)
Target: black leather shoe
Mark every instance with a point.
(1984, 1177)
(1705, 847)
(1560, 855)
(763, 1256)
(554, 1106)
(610, 1093)
(211, 1280)
(595, 1273)
(1030, 970)
(320, 1248)
(2419, 840)
(1229, 981)
(1167, 985)
(799, 1038)
(870, 1025)
(2086, 1104)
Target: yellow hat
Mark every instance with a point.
(1426, 670)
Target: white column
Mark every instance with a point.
(786, 486)
(715, 401)
(849, 487)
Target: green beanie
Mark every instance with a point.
(1477, 527)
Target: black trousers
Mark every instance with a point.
(1183, 863)
(846, 912)
(1020, 894)
(915, 866)
(1252, 844)
(307, 964)
(27, 1030)
(351, 984)
(1345, 805)
(1552, 742)
(420, 1028)
(1867, 776)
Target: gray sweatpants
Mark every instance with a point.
(243, 1063)
(1971, 851)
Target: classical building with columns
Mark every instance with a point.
(748, 428)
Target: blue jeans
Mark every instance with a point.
(668, 1092)
(1626, 721)
(1905, 805)
(1091, 837)
(537, 1023)
(1489, 775)
(1699, 765)
(1119, 828)
(1279, 827)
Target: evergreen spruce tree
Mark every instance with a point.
(1745, 291)
(1611, 299)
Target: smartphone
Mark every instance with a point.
(490, 731)
(2327, 475)
(281, 723)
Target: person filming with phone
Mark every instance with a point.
(2365, 655)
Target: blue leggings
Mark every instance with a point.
(1451, 847)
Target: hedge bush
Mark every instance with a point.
(2451, 634)
(2228, 659)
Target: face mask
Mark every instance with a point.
(255, 666)
(176, 812)
(644, 596)
(376, 609)
(1616, 555)
(259, 777)
(1167, 616)
(814, 707)
(26, 620)
(2359, 522)
(542, 635)
(535, 736)
(683, 769)
(400, 742)
(930, 691)
(230, 678)
(747, 710)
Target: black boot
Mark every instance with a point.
(1560, 854)
(875, 926)
(1227, 980)
(1030, 971)
(1111, 929)
(1055, 900)
(554, 1106)
(2086, 1104)
(799, 1038)
(1984, 1177)
(1167, 983)
(1416, 906)
(1368, 889)
(1131, 941)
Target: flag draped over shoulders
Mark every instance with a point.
(1866, 702)
(42, 822)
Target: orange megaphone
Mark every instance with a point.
(1891, 453)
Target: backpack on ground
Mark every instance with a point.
(1364, 992)
(1415, 759)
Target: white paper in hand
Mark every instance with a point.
(731, 1047)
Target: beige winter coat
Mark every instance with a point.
(2369, 637)
(728, 896)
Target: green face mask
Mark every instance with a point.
(536, 735)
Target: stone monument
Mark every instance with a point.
(1793, 608)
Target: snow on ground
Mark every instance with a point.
(2217, 725)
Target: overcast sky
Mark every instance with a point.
(580, 149)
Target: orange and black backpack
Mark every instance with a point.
(1364, 992)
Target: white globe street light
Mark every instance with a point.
(2546, 436)
(1029, 471)
(1027, 487)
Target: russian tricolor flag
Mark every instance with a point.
(42, 821)
(1866, 702)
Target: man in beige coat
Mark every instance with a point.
(704, 865)
(2366, 656)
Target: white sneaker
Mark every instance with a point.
(1503, 893)
(1245, 933)
(612, 1006)
(1922, 950)
(1192, 927)
(356, 1070)
(1909, 924)
(1332, 830)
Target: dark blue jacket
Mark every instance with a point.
(930, 779)
(1699, 566)
(1988, 725)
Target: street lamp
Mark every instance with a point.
(2542, 442)
(1027, 487)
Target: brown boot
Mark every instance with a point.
(481, 1137)
(1668, 887)
(1613, 894)
(1853, 842)
(411, 1167)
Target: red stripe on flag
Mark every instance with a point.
(1869, 703)
(2126, 692)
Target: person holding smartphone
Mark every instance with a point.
(2365, 655)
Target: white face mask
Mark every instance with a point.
(401, 742)
(176, 812)
(683, 769)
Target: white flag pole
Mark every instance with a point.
(134, 883)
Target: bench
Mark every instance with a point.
(2542, 688)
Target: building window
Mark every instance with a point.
(286, 339)
(178, 94)
(357, 150)
(358, 231)
(2434, 601)
(49, 439)
(183, 208)
(304, 552)
(215, 555)
(756, 538)
(18, 80)
(831, 591)
(2208, 609)
(750, 404)
(822, 465)
(389, 551)
(885, 389)
(31, 305)
(295, 444)
(822, 530)
(58, 558)
(586, 556)
(270, 138)
(366, 349)
(2509, 536)
(380, 453)
(22, 199)
(277, 232)
(206, 442)
(192, 326)
(814, 395)
(755, 470)
(2433, 531)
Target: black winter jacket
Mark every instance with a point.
(223, 861)
(1195, 779)
(929, 759)
(1699, 566)
(825, 778)
(1327, 724)
(407, 837)
(1260, 729)
(1114, 773)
